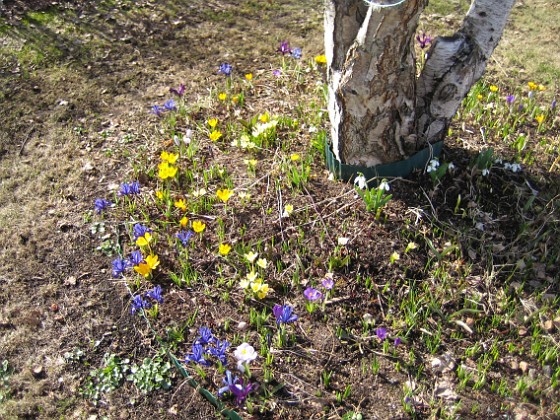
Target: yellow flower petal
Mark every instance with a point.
(215, 135)
(184, 221)
(198, 226)
(144, 240)
(213, 122)
(152, 261)
(224, 249)
(143, 269)
(224, 194)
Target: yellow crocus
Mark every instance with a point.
(213, 122)
(224, 249)
(493, 88)
(321, 59)
(224, 194)
(181, 205)
(249, 76)
(169, 157)
(215, 135)
(198, 226)
(152, 261)
(540, 118)
(183, 222)
(222, 96)
(144, 240)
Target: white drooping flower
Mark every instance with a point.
(432, 165)
(361, 182)
(384, 186)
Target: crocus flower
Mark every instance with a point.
(169, 105)
(240, 391)
(381, 333)
(157, 110)
(553, 104)
(129, 189)
(225, 69)
(397, 341)
(284, 48)
(139, 303)
(135, 258)
(284, 314)
(180, 91)
(101, 204)
(197, 356)
(228, 381)
(312, 294)
(185, 236)
(219, 350)
(328, 281)
(198, 226)
(140, 231)
(276, 73)
(155, 294)
(224, 194)
(510, 99)
(224, 249)
(296, 53)
(119, 267)
(205, 336)
(244, 353)
(423, 40)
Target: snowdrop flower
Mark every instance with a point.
(485, 171)
(432, 166)
(384, 186)
(361, 182)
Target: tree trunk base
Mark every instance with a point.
(374, 174)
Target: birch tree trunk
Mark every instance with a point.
(380, 112)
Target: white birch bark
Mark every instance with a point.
(379, 112)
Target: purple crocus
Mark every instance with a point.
(169, 105)
(129, 189)
(155, 294)
(135, 258)
(157, 110)
(185, 236)
(139, 303)
(119, 267)
(423, 40)
(553, 104)
(240, 391)
(101, 204)
(228, 381)
(139, 231)
(397, 341)
(276, 73)
(296, 53)
(312, 294)
(225, 69)
(219, 350)
(180, 91)
(328, 281)
(197, 356)
(205, 336)
(284, 314)
(510, 99)
(381, 333)
(284, 48)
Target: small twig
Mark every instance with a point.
(27, 137)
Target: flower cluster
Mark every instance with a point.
(151, 297)
(285, 49)
(132, 188)
(207, 345)
(159, 110)
(236, 387)
(166, 168)
(284, 314)
(252, 282)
